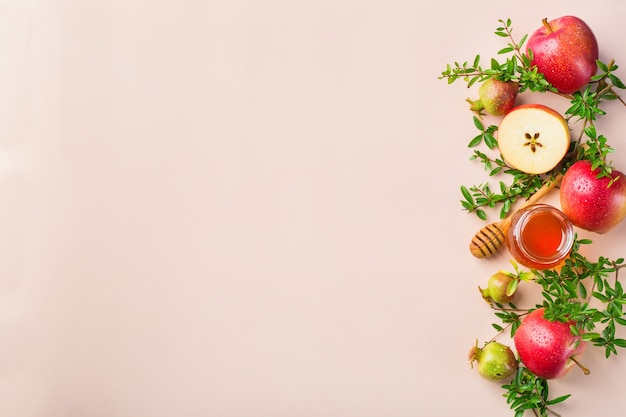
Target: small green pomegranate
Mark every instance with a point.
(495, 97)
(501, 288)
(495, 361)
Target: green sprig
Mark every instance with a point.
(526, 391)
(585, 107)
(584, 292)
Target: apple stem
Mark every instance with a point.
(547, 24)
(580, 365)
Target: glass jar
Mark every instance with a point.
(540, 236)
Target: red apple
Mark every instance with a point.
(548, 349)
(589, 202)
(565, 51)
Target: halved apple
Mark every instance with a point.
(533, 138)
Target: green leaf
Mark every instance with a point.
(506, 207)
(620, 342)
(512, 287)
(600, 296)
(582, 290)
(475, 141)
(490, 141)
(473, 81)
(495, 171)
(616, 81)
(526, 276)
(522, 41)
(590, 336)
(467, 195)
(558, 399)
(621, 321)
(478, 124)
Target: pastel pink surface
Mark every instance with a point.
(243, 208)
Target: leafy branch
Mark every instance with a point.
(587, 293)
(516, 66)
(526, 391)
(477, 198)
(585, 107)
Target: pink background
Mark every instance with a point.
(251, 208)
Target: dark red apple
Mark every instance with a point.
(590, 202)
(548, 349)
(565, 51)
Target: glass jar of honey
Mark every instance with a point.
(540, 236)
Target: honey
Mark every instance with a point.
(540, 236)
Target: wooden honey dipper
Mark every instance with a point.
(489, 239)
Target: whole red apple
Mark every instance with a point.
(565, 51)
(548, 349)
(590, 202)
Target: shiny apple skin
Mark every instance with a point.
(589, 202)
(545, 347)
(567, 56)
